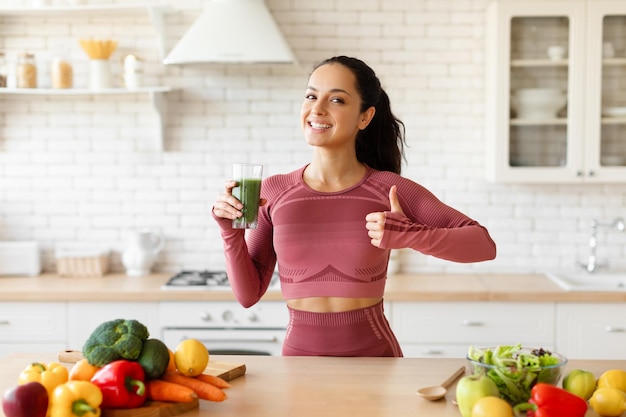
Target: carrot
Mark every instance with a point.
(202, 389)
(214, 380)
(159, 390)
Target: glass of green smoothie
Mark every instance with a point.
(248, 191)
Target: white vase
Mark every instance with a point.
(141, 252)
(99, 74)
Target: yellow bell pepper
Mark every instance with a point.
(608, 402)
(50, 375)
(75, 399)
(613, 378)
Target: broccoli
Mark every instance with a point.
(113, 340)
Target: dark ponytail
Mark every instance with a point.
(381, 144)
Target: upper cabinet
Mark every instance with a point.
(556, 91)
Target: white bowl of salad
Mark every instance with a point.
(516, 369)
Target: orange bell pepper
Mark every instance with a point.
(83, 371)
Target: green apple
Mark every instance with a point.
(471, 388)
(581, 383)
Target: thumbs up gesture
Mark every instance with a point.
(375, 222)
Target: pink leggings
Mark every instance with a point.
(361, 332)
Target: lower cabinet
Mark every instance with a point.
(83, 318)
(591, 330)
(447, 329)
(56, 326)
(424, 329)
(32, 327)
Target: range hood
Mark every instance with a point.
(232, 31)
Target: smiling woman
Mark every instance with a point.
(332, 117)
(331, 224)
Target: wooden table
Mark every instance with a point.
(308, 386)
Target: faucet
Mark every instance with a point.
(592, 264)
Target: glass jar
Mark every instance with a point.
(3, 71)
(61, 73)
(26, 71)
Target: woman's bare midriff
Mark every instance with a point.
(331, 304)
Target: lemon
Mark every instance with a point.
(492, 407)
(191, 357)
(613, 378)
(609, 402)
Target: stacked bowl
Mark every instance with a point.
(538, 103)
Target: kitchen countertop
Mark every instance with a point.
(402, 287)
(324, 386)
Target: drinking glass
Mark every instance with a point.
(248, 191)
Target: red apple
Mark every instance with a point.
(27, 400)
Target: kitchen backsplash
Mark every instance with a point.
(84, 168)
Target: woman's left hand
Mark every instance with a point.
(376, 221)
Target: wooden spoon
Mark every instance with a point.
(439, 391)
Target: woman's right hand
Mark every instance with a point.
(226, 206)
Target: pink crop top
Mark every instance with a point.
(321, 244)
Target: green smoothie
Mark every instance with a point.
(248, 191)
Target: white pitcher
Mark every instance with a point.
(141, 252)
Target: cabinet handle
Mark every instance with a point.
(227, 339)
(472, 323)
(613, 329)
(592, 173)
(579, 173)
(4, 322)
(432, 352)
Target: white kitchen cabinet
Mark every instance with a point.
(32, 327)
(447, 329)
(83, 318)
(591, 330)
(154, 93)
(581, 142)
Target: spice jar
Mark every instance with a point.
(26, 71)
(61, 73)
(3, 71)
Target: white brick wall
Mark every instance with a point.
(80, 169)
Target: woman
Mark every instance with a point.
(331, 224)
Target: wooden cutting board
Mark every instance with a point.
(152, 409)
(225, 370)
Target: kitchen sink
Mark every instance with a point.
(589, 281)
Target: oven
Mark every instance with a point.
(230, 341)
(225, 327)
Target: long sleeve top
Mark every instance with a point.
(321, 244)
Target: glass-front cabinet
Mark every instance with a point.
(556, 91)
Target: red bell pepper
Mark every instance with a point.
(550, 401)
(122, 384)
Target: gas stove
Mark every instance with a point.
(203, 280)
(198, 280)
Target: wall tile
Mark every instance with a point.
(82, 168)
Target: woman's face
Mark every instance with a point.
(331, 111)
